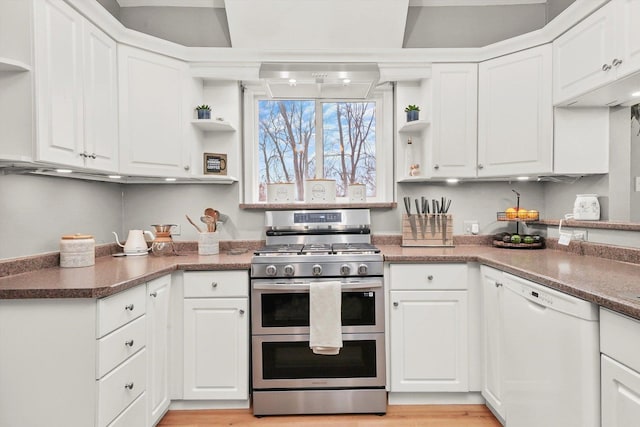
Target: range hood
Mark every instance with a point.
(319, 80)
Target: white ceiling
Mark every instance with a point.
(317, 24)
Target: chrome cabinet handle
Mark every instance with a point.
(187, 167)
(480, 166)
(436, 167)
(129, 307)
(606, 67)
(616, 62)
(498, 284)
(395, 304)
(153, 294)
(430, 277)
(129, 386)
(129, 343)
(93, 155)
(214, 285)
(241, 311)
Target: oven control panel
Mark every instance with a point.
(325, 269)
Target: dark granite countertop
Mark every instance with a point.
(611, 284)
(608, 283)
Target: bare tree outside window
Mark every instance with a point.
(288, 143)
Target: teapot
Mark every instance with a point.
(136, 243)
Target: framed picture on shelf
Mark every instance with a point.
(215, 164)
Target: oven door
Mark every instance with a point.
(281, 306)
(286, 361)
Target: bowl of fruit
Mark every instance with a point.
(518, 241)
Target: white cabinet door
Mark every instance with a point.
(58, 83)
(76, 89)
(628, 27)
(620, 394)
(158, 302)
(515, 124)
(582, 56)
(429, 341)
(100, 100)
(492, 386)
(216, 348)
(151, 88)
(455, 119)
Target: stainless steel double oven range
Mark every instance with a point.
(303, 247)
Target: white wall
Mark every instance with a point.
(35, 211)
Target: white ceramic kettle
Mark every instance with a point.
(135, 244)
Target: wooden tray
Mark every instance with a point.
(427, 230)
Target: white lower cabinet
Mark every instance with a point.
(428, 328)
(216, 335)
(158, 306)
(620, 369)
(493, 336)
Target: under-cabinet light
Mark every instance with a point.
(523, 178)
(169, 179)
(635, 94)
(64, 170)
(115, 176)
(453, 180)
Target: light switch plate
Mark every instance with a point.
(469, 226)
(637, 183)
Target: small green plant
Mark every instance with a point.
(203, 107)
(411, 108)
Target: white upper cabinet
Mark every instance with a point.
(601, 49)
(515, 114)
(152, 113)
(454, 120)
(76, 87)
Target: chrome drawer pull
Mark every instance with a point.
(129, 307)
(606, 67)
(430, 277)
(241, 312)
(395, 304)
(153, 294)
(214, 285)
(129, 386)
(129, 343)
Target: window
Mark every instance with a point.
(298, 139)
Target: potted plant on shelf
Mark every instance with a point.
(413, 112)
(204, 111)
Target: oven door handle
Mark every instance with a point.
(306, 286)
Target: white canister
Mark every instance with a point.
(586, 207)
(77, 250)
(320, 191)
(281, 192)
(208, 243)
(357, 193)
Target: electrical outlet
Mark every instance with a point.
(175, 230)
(469, 226)
(580, 235)
(637, 183)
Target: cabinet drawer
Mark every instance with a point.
(119, 309)
(121, 386)
(120, 344)
(207, 284)
(134, 415)
(620, 338)
(428, 276)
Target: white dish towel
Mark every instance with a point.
(325, 322)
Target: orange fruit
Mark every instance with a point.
(533, 214)
(523, 213)
(511, 213)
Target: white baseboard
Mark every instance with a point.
(471, 398)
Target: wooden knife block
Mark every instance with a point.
(430, 230)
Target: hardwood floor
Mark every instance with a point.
(405, 416)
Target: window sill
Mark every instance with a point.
(302, 205)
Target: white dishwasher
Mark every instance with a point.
(552, 357)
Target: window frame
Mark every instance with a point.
(382, 97)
